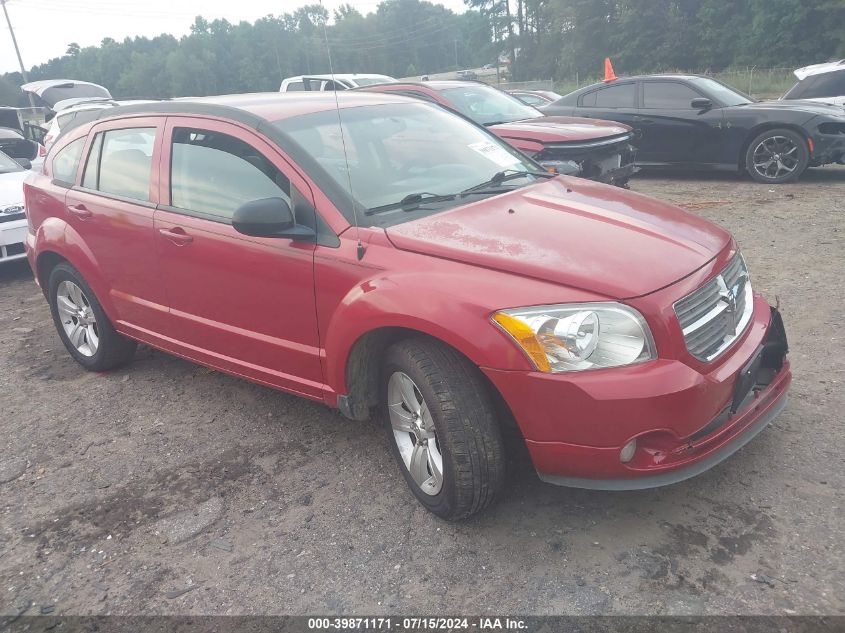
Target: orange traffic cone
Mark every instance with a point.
(609, 75)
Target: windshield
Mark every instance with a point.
(8, 165)
(401, 150)
(488, 106)
(721, 92)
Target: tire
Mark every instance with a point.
(777, 156)
(95, 345)
(461, 417)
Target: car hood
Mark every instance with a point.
(797, 105)
(11, 187)
(573, 232)
(51, 91)
(559, 129)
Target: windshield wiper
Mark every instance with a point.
(506, 174)
(412, 201)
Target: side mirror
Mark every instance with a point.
(269, 217)
(23, 162)
(701, 104)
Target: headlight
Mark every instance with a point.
(579, 336)
(564, 167)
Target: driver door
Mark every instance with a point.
(244, 304)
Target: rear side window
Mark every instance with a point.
(213, 174)
(120, 163)
(826, 85)
(668, 94)
(294, 86)
(66, 162)
(620, 96)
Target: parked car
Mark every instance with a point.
(535, 98)
(415, 266)
(17, 140)
(468, 75)
(692, 122)
(66, 98)
(572, 146)
(820, 82)
(312, 83)
(12, 217)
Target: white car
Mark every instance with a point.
(12, 217)
(67, 98)
(820, 82)
(327, 82)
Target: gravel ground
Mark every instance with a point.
(169, 488)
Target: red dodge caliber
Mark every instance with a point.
(388, 256)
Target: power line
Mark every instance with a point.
(17, 50)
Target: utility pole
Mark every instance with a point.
(17, 50)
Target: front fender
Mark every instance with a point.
(56, 236)
(418, 302)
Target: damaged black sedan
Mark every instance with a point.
(693, 122)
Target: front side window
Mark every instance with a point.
(120, 163)
(619, 96)
(720, 92)
(213, 174)
(401, 150)
(488, 106)
(66, 161)
(668, 95)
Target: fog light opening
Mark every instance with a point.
(627, 452)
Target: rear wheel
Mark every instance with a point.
(777, 156)
(82, 324)
(443, 428)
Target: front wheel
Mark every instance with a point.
(443, 428)
(777, 156)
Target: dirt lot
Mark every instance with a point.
(121, 491)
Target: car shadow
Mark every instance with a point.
(828, 173)
(16, 270)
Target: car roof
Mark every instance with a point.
(340, 76)
(819, 69)
(437, 84)
(252, 109)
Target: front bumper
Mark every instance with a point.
(611, 164)
(575, 425)
(12, 237)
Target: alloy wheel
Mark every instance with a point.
(414, 433)
(776, 157)
(77, 317)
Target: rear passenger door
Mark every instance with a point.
(112, 210)
(244, 304)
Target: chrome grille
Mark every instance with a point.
(713, 316)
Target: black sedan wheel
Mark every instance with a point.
(777, 156)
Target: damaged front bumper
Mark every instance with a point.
(609, 161)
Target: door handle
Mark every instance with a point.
(80, 211)
(177, 236)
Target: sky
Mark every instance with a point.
(44, 28)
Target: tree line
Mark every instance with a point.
(544, 38)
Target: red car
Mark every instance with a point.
(414, 265)
(573, 146)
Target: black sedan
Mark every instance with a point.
(687, 121)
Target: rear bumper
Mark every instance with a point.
(576, 425)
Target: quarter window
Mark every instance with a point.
(668, 94)
(294, 86)
(213, 174)
(619, 96)
(66, 161)
(827, 85)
